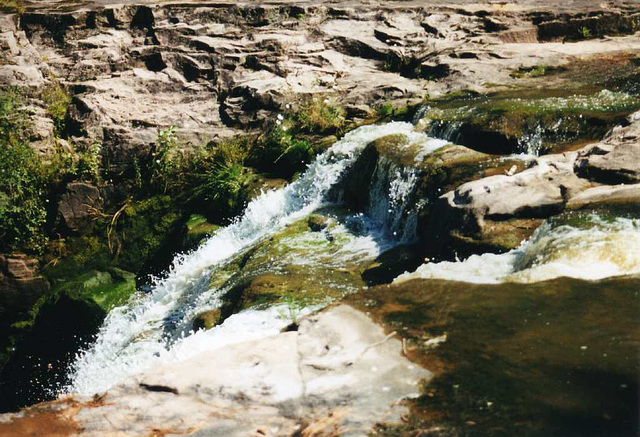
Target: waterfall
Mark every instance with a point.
(150, 330)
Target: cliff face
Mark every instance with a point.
(215, 69)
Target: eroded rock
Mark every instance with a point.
(339, 372)
(616, 159)
(78, 204)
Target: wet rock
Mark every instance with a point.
(78, 204)
(339, 371)
(616, 159)
(207, 320)
(20, 285)
(606, 195)
(526, 340)
(196, 230)
(482, 212)
(386, 267)
(317, 223)
(65, 320)
(533, 122)
(62, 327)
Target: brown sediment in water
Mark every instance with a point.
(552, 358)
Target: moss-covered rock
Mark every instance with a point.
(207, 319)
(58, 326)
(528, 121)
(302, 263)
(197, 229)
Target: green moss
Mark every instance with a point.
(537, 71)
(197, 229)
(396, 148)
(207, 319)
(144, 228)
(107, 289)
(532, 121)
(271, 273)
(12, 6)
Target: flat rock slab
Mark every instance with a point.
(338, 372)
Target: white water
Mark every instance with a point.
(151, 330)
(600, 250)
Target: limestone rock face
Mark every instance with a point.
(77, 204)
(606, 195)
(338, 373)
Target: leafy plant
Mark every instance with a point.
(58, 100)
(585, 32)
(280, 153)
(385, 110)
(223, 185)
(22, 203)
(165, 158)
(88, 165)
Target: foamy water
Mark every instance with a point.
(600, 250)
(151, 330)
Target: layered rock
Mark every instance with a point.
(212, 69)
(616, 159)
(498, 212)
(78, 205)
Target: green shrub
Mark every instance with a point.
(280, 154)
(385, 110)
(223, 187)
(88, 164)
(22, 204)
(166, 159)
(57, 99)
(318, 116)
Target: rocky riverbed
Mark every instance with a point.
(298, 218)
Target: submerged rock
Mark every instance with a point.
(551, 358)
(338, 373)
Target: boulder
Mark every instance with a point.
(606, 195)
(207, 320)
(77, 205)
(20, 285)
(616, 159)
(496, 213)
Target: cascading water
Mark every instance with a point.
(152, 329)
(597, 249)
